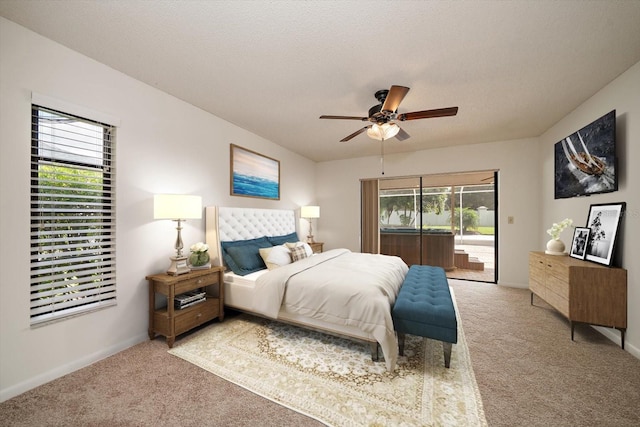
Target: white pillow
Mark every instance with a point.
(307, 248)
(276, 256)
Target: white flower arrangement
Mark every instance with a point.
(558, 228)
(199, 247)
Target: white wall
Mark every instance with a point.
(163, 146)
(623, 95)
(338, 191)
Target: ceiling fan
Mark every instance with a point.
(382, 116)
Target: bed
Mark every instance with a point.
(338, 291)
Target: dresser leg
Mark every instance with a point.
(572, 328)
(622, 330)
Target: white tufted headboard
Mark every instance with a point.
(230, 224)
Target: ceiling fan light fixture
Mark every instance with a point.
(383, 131)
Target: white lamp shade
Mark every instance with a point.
(177, 206)
(310, 211)
(383, 131)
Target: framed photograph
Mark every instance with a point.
(579, 244)
(254, 175)
(603, 222)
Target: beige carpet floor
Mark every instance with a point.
(528, 371)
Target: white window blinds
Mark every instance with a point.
(73, 226)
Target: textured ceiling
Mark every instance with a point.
(273, 67)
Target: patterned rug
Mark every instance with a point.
(334, 380)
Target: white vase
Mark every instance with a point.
(555, 247)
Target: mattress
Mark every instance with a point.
(238, 290)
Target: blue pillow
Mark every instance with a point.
(281, 240)
(243, 256)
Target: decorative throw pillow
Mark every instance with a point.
(298, 253)
(276, 256)
(306, 247)
(243, 256)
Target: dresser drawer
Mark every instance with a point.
(196, 315)
(536, 261)
(536, 274)
(558, 286)
(559, 303)
(558, 269)
(536, 269)
(537, 287)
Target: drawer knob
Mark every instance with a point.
(199, 281)
(199, 315)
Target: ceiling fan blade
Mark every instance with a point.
(394, 98)
(364, 119)
(402, 135)
(356, 133)
(427, 114)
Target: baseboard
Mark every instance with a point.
(513, 285)
(614, 335)
(60, 371)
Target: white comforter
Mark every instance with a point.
(341, 287)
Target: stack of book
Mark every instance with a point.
(188, 299)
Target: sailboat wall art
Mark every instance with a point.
(586, 162)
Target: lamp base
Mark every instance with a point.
(310, 239)
(179, 265)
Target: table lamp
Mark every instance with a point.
(309, 213)
(177, 207)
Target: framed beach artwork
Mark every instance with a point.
(603, 222)
(254, 175)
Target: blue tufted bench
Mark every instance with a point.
(424, 308)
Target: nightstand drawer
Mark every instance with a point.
(196, 282)
(196, 315)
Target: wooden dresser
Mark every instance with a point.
(581, 291)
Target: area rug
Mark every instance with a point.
(334, 380)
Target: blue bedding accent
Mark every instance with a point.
(281, 240)
(243, 256)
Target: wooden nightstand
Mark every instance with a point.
(171, 322)
(316, 247)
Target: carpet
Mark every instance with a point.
(334, 380)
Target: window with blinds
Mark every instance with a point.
(73, 225)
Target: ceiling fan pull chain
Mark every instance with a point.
(382, 155)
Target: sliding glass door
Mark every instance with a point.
(444, 220)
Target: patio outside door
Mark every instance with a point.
(447, 220)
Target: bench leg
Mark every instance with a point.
(401, 343)
(447, 353)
